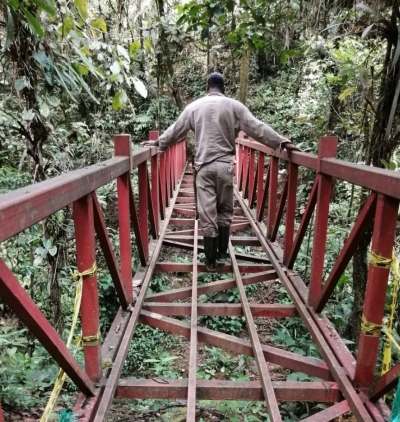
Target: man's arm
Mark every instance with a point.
(173, 134)
(263, 133)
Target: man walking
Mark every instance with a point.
(216, 121)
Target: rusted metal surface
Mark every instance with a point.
(293, 171)
(191, 391)
(338, 373)
(310, 366)
(329, 414)
(208, 288)
(386, 215)
(385, 384)
(18, 300)
(24, 207)
(269, 395)
(228, 390)
(105, 244)
(327, 148)
(279, 211)
(217, 309)
(272, 194)
(350, 246)
(179, 267)
(111, 385)
(86, 258)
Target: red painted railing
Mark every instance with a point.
(258, 183)
(25, 207)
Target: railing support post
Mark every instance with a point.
(293, 170)
(375, 296)
(260, 181)
(143, 207)
(327, 149)
(122, 147)
(86, 258)
(272, 194)
(153, 136)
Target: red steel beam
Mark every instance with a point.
(227, 390)
(191, 388)
(310, 366)
(86, 258)
(263, 203)
(153, 214)
(329, 414)
(24, 207)
(108, 252)
(236, 240)
(375, 296)
(221, 309)
(272, 194)
(18, 300)
(350, 246)
(163, 186)
(241, 256)
(293, 171)
(1, 414)
(305, 220)
(179, 267)
(112, 382)
(245, 171)
(260, 181)
(279, 213)
(208, 288)
(251, 177)
(136, 226)
(327, 147)
(338, 372)
(375, 179)
(266, 382)
(153, 136)
(122, 146)
(143, 207)
(385, 384)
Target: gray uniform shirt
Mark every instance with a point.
(216, 121)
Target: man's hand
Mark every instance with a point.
(289, 147)
(149, 143)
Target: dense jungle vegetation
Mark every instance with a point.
(76, 72)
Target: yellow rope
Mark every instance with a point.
(61, 374)
(379, 261)
(370, 329)
(387, 349)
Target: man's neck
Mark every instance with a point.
(214, 91)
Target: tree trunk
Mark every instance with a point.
(244, 76)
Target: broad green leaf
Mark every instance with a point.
(44, 110)
(81, 68)
(122, 52)
(82, 7)
(119, 100)
(33, 22)
(115, 68)
(10, 28)
(68, 24)
(346, 93)
(53, 250)
(366, 30)
(140, 88)
(28, 115)
(46, 6)
(37, 261)
(134, 47)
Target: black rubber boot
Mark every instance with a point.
(210, 251)
(223, 242)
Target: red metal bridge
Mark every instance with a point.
(162, 216)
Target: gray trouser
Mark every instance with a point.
(215, 196)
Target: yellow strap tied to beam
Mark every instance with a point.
(387, 349)
(370, 329)
(379, 261)
(61, 374)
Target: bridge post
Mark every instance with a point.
(272, 194)
(1, 414)
(143, 207)
(260, 181)
(153, 136)
(327, 148)
(86, 258)
(375, 295)
(293, 170)
(122, 147)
